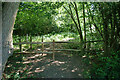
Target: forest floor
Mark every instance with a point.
(65, 65)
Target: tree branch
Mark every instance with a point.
(81, 36)
(96, 25)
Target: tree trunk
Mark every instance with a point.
(105, 30)
(76, 25)
(9, 11)
(0, 40)
(80, 31)
(84, 25)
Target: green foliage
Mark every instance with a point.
(106, 67)
(36, 18)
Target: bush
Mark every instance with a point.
(107, 67)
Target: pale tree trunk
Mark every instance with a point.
(0, 39)
(9, 11)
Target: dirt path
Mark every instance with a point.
(37, 66)
(64, 66)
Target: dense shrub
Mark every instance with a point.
(106, 67)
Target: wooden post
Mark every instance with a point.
(42, 45)
(53, 49)
(30, 41)
(20, 46)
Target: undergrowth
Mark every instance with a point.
(106, 68)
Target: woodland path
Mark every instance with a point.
(64, 66)
(42, 66)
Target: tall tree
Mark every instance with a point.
(9, 11)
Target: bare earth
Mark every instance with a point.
(64, 66)
(42, 66)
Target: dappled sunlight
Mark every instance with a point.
(39, 70)
(28, 62)
(47, 48)
(79, 75)
(32, 61)
(38, 49)
(64, 69)
(37, 55)
(46, 67)
(18, 62)
(64, 65)
(30, 72)
(74, 69)
(33, 56)
(9, 65)
(58, 62)
(84, 56)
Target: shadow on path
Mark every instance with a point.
(42, 66)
